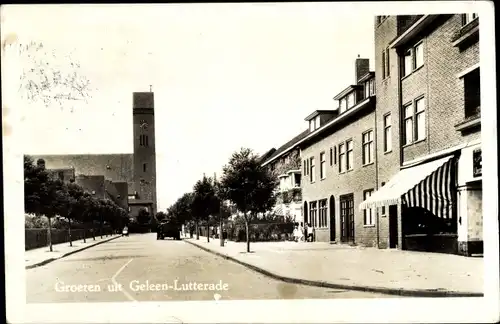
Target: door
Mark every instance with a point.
(393, 226)
(347, 218)
(332, 219)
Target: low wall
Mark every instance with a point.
(38, 237)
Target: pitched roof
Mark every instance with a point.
(286, 146)
(266, 155)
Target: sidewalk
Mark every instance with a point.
(41, 256)
(368, 269)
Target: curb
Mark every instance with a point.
(44, 262)
(324, 284)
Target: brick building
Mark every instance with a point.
(129, 179)
(428, 126)
(338, 163)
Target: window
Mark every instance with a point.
(334, 155)
(311, 125)
(305, 167)
(322, 165)
(387, 63)
(312, 170)
(317, 122)
(407, 67)
(349, 157)
(342, 105)
(419, 55)
(372, 87)
(342, 158)
(472, 94)
(144, 166)
(331, 156)
(143, 140)
(350, 100)
(420, 119)
(368, 213)
(323, 210)
(387, 133)
(408, 124)
(467, 18)
(383, 64)
(367, 89)
(368, 147)
(313, 213)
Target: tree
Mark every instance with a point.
(49, 77)
(75, 192)
(249, 186)
(161, 216)
(205, 202)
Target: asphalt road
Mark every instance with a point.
(140, 268)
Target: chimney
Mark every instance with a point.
(362, 68)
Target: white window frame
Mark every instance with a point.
(342, 105)
(407, 63)
(387, 133)
(312, 170)
(349, 161)
(408, 120)
(323, 212)
(416, 62)
(313, 213)
(367, 147)
(322, 165)
(420, 122)
(350, 100)
(342, 158)
(317, 121)
(368, 214)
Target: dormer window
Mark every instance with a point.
(314, 123)
(350, 100)
(342, 105)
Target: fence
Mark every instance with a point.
(38, 237)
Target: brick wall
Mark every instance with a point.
(437, 80)
(336, 184)
(386, 89)
(115, 167)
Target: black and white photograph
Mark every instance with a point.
(250, 162)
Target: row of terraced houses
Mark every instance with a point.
(396, 163)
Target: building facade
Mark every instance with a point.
(127, 179)
(428, 126)
(285, 165)
(338, 164)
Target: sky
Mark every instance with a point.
(224, 77)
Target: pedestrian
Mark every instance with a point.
(301, 232)
(296, 233)
(309, 233)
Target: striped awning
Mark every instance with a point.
(429, 185)
(278, 210)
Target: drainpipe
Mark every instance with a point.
(376, 171)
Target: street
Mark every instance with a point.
(141, 268)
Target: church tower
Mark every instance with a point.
(144, 147)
